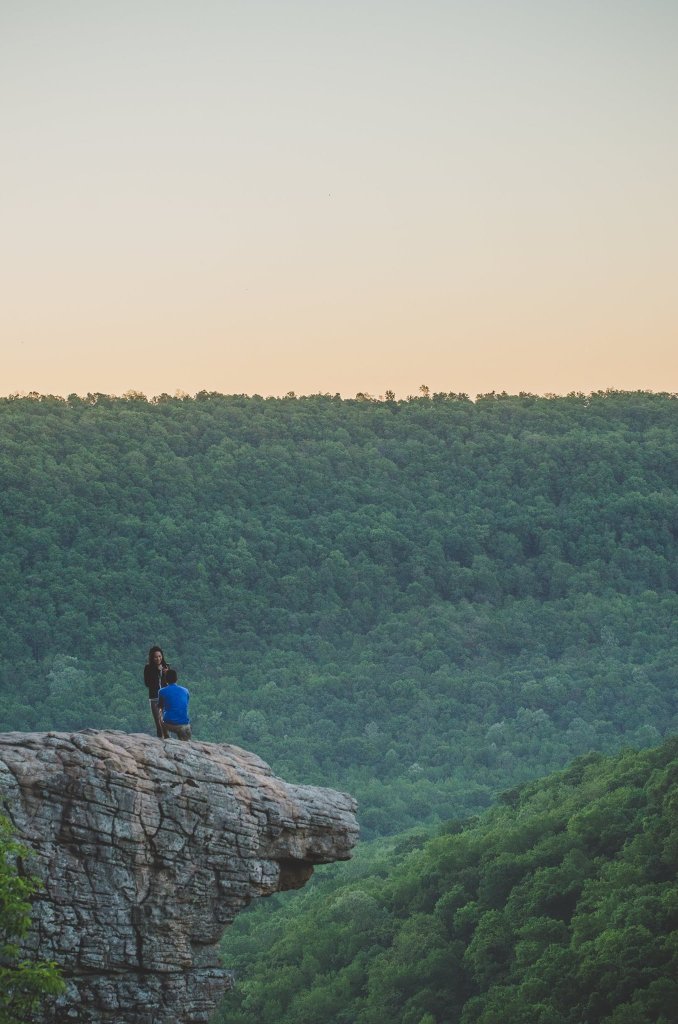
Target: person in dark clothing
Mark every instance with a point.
(154, 677)
(173, 704)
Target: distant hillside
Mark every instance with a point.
(558, 906)
(420, 601)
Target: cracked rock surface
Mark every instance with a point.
(147, 850)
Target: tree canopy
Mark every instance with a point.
(559, 905)
(425, 602)
(420, 601)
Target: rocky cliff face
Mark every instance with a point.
(148, 849)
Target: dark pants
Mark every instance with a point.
(155, 711)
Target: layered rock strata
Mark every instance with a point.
(147, 850)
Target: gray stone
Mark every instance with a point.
(147, 850)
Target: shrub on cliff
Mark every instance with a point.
(23, 982)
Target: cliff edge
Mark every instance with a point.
(147, 850)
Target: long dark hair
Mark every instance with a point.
(152, 652)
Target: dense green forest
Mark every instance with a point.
(557, 906)
(421, 601)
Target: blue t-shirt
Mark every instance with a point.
(173, 700)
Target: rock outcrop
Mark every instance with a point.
(147, 850)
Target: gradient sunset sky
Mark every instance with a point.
(337, 196)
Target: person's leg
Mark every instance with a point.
(155, 711)
(182, 732)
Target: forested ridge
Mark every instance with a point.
(557, 906)
(420, 601)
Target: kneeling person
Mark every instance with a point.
(173, 703)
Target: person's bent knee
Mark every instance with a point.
(182, 732)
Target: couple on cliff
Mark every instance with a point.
(168, 700)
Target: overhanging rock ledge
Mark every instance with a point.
(147, 850)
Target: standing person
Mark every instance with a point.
(154, 677)
(173, 703)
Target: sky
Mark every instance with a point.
(264, 196)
